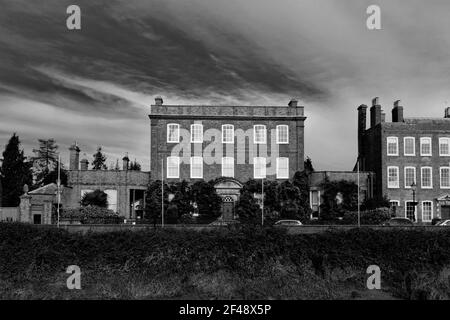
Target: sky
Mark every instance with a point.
(95, 85)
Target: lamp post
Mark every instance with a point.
(414, 203)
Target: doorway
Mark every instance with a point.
(445, 212)
(227, 208)
(37, 218)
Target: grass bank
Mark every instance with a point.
(238, 264)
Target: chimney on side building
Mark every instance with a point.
(397, 112)
(375, 112)
(84, 164)
(447, 112)
(383, 117)
(362, 115)
(125, 162)
(293, 102)
(158, 101)
(74, 156)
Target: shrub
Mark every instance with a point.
(91, 214)
(368, 217)
(95, 198)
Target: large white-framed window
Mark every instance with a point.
(173, 167)
(392, 146)
(173, 133)
(409, 146)
(282, 134)
(196, 132)
(393, 178)
(427, 211)
(259, 168)
(444, 177)
(283, 168)
(410, 211)
(410, 176)
(227, 133)
(425, 146)
(444, 146)
(426, 177)
(196, 167)
(228, 167)
(259, 134)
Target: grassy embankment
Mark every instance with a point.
(252, 264)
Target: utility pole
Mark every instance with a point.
(162, 192)
(58, 185)
(359, 212)
(262, 201)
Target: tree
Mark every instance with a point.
(135, 166)
(208, 201)
(301, 181)
(15, 172)
(248, 209)
(152, 209)
(338, 197)
(99, 162)
(45, 160)
(52, 177)
(95, 198)
(308, 165)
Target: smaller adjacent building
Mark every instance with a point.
(317, 178)
(125, 189)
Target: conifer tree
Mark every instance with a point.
(15, 172)
(99, 162)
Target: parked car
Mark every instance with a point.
(223, 222)
(398, 222)
(288, 223)
(445, 223)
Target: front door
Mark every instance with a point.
(411, 211)
(445, 212)
(227, 208)
(37, 218)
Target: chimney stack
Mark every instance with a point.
(293, 102)
(125, 162)
(375, 112)
(447, 112)
(362, 115)
(158, 101)
(397, 112)
(84, 164)
(74, 156)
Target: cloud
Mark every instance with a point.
(95, 85)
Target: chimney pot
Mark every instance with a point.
(74, 157)
(125, 162)
(447, 112)
(158, 101)
(397, 112)
(293, 102)
(375, 101)
(84, 164)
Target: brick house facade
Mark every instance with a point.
(407, 151)
(234, 143)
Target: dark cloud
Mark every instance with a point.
(95, 85)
